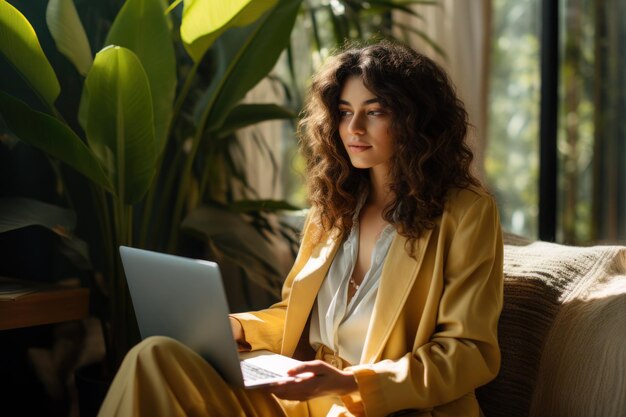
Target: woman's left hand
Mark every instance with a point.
(314, 379)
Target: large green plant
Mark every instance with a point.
(145, 113)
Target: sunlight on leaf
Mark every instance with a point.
(143, 27)
(244, 56)
(205, 20)
(19, 44)
(68, 33)
(119, 121)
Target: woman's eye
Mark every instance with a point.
(344, 113)
(376, 112)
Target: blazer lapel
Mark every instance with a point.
(304, 291)
(398, 276)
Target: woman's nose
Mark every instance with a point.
(356, 126)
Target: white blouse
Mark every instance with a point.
(336, 324)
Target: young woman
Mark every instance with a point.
(394, 298)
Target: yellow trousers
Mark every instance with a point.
(162, 377)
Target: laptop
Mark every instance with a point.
(184, 299)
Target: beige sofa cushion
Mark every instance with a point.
(583, 365)
(540, 279)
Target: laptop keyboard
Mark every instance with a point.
(252, 372)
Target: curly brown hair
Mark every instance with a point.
(429, 125)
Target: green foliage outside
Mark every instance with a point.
(512, 159)
(590, 141)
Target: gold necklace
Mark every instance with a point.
(353, 283)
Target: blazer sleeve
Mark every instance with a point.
(263, 329)
(462, 353)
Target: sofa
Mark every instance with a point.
(562, 332)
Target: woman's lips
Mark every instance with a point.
(358, 148)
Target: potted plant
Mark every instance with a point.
(146, 110)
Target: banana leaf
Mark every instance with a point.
(245, 206)
(53, 137)
(143, 27)
(69, 34)
(117, 110)
(19, 44)
(17, 213)
(245, 115)
(244, 56)
(204, 21)
(238, 241)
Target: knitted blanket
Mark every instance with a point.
(564, 312)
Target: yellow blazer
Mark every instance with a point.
(432, 338)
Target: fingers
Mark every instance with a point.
(298, 390)
(313, 379)
(316, 367)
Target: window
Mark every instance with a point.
(512, 156)
(591, 139)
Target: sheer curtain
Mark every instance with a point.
(462, 29)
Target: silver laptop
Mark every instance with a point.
(184, 299)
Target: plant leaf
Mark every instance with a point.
(205, 20)
(68, 33)
(119, 121)
(244, 206)
(245, 115)
(433, 44)
(53, 137)
(416, 2)
(237, 239)
(16, 213)
(244, 56)
(143, 27)
(394, 6)
(19, 44)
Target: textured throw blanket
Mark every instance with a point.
(562, 332)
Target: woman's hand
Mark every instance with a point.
(319, 379)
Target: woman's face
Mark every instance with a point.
(364, 126)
